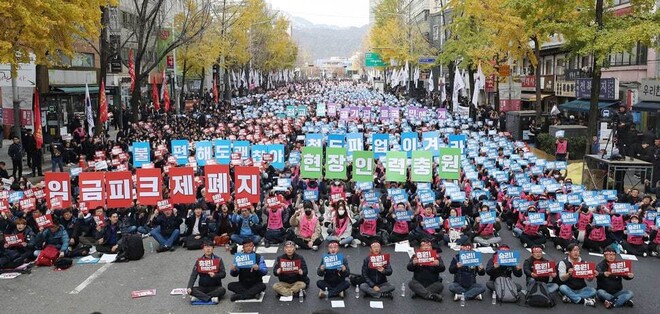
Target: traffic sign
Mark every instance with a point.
(373, 59)
(427, 60)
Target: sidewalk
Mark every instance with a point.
(45, 165)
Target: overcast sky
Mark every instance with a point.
(331, 12)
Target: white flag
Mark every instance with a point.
(88, 111)
(479, 84)
(431, 85)
(458, 85)
(416, 77)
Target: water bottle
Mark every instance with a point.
(301, 296)
(327, 294)
(357, 292)
(494, 298)
(462, 299)
(151, 247)
(403, 290)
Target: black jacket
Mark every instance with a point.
(15, 151)
(291, 278)
(372, 276)
(426, 275)
(204, 279)
(334, 276)
(501, 271)
(528, 270)
(167, 224)
(611, 284)
(202, 225)
(466, 276)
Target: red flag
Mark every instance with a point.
(215, 89)
(166, 95)
(38, 136)
(103, 103)
(154, 96)
(131, 68)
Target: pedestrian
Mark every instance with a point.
(211, 270)
(56, 155)
(16, 154)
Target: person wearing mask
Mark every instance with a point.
(211, 270)
(574, 290)
(291, 269)
(166, 229)
(610, 286)
(486, 234)
(495, 270)
(401, 228)
(340, 225)
(197, 229)
(245, 223)
(334, 280)
(16, 152)
(530, 275)
(249, 284)
(465, 278)
(426, 282)
(307, 228)
(375, 276)
(109, 236)
(275, 231)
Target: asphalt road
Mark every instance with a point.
(110, 291)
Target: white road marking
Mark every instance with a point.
(89, 279)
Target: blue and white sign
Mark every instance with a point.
(222, 151)
(409, 142)
(370, 213)
(141, 154)
(457, 141)
(431, 223)
(636, 229)
(257, 153)
(314, 140)
(602, 220)
(203, 152)
(431, 142)
(311, 195)
(354, 142)
(536, 218)
(568, 218)
(243, 148)
(508, 258)
(457, 222)
(335, 140)
(488, 217)
(403, 215)
(380, 144)
(180, 151)
(469, 258)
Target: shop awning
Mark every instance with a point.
(76, 90)
(532, 97)
(648, 106)
(582, 105)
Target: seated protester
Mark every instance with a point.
(307, 228)
(109, 235)
(400, 228)
(224, 227)
(609, 286)
(142, 220)
(72, 226)
(596, 239)
(486, 234)
(334, 280)
(654, 241)
(455, 235)
(565, 236)
(366, 230)
(616, 230)
(340, 225)
(426, 282)
(23, 251)
(166, 229)
(495, 270)
(574, 290)
(291, 269)
(275, 231)
(531, 234)
(246, 226)
(530, 275)
(375, 278)
(211, 270)
(249, 284)
(128, 219)
(465, 278)
(197, 229)
(635, 244)
(584, 219)
(54, 235)
(421, 232)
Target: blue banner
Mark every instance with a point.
(568, 218)
(277, 150)
(335, 140)
(457, 141)
(294, 158)
(508, 258)
(242, 260)
(333, 261)
(403, 215)
(432, 223)
(257, 153)
(555, 207)
(370, 213)
(431, 142)
(602, 220)
(354, 142)
(409, 142)
(314, 140)
(372, 197)
(141, 154)
(469, 258)
(180, 151)
(457, 222)
(380, 144)
(203, 152)
(622, 208)
(243, 148)
(636, 229)
(426, 196)
(536, 218)
(222, 151)
(488, 217)
(311, 195)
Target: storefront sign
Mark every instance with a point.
(609, 89)
(565, 89)
(650, 90)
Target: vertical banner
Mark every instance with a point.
(457, 141)
(243, 148)
(363, 166)
(277, 150)
(92, 189)
(311, 163)
(257, 152)
(148, 186)
(180, 151)
(396, 166)
(314, 140)
(217, 182)
(354, 142)
(58, 184)
(422, 166)
(409, 142)
(141, 154)
(203, 152)
(119, 187)
(182, 188)
(335, 163)
(320, 110)
(450, 163)
(335, 140)
(247, 184)
(380, 144)
(222, 151)
(431, 142)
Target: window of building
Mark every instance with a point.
(85, 60)
(635, 56)
(436, 32)
(619, 2)
(548, 67)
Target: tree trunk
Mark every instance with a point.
(450, 86)
(225, 82)
(201, 85)
(182, 101)
(595, 83)
(537, 78)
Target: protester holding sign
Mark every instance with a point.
(334, 270)
(504, 263)
(307, 227)
(539, 269)
(211, 270)
(574, 288)
(465, 277)
(401, 221)
(249, 284)
(609, 281)
(367, 227)
(340, 225)
(426, 266)
(277, 215)
(636, 237)
(565, 231)
(429, 225)
(375, 270)
(596, 238)
(456, 228)
(486, 227)
(19, 244)
(166, 229)
(291, 269)
(246, 223)
(54, 235)
(532, 232)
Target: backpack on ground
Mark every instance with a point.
(506, 290)
(132, 247)
(47, 256)
(538, 295)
